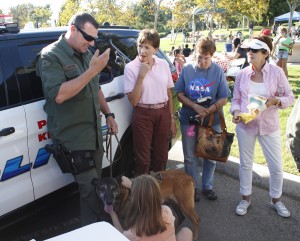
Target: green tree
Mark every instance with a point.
(21, 13)
(144, 11)
(105, 10)
(25, 13)
(252, 9)
(125, 16)
(112, 11)
(293, 4)
(156, 12)
(276, 8)
(67, 11)
(183, 13)
(41, 16)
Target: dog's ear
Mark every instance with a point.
(95, 181)
(118, 179)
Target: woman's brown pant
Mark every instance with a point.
(150, 128)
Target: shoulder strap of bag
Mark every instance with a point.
(211, 120)
(222, 121)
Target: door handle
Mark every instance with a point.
(114, 97)
(7, 131)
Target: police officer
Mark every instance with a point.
(70, 78)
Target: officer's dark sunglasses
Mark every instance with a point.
(256, 50)
(86, 36)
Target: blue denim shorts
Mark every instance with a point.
(282, 54)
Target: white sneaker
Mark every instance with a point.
(281, 209)
(242, 208)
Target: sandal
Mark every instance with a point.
(210, 194)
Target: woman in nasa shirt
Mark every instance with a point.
(202, 89)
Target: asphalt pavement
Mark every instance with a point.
(261, 223)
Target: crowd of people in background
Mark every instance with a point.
(283, 41)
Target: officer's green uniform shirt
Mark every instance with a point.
(75, 123)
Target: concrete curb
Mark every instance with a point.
(291, 183)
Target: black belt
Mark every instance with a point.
(283, 49)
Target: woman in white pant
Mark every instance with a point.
(269, 82)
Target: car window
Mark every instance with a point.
(3, 100)
(126, 46)
(30, 83)
(114, 67)
(9, 90)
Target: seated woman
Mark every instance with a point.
(146, 218)
(239, 52)
(229, 39)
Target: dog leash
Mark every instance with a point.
(109, 135)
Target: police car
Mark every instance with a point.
(28, 174)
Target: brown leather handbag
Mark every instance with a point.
(211, 144)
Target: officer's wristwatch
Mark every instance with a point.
(110, 114)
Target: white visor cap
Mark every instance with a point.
(256, 44)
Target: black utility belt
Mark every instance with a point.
(283, 50)
(74, 162)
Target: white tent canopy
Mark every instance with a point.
(286, 17)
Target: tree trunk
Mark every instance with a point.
(157, 13)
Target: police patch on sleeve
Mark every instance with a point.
(46, 62)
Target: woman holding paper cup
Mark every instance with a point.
(263, 81)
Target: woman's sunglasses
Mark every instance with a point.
(86, 36)
(256, 50)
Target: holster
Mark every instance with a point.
(73, 162)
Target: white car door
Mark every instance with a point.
(15, 184)
(16, 187)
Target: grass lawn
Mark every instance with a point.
(294, 79)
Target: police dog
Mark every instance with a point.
(175, 185)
